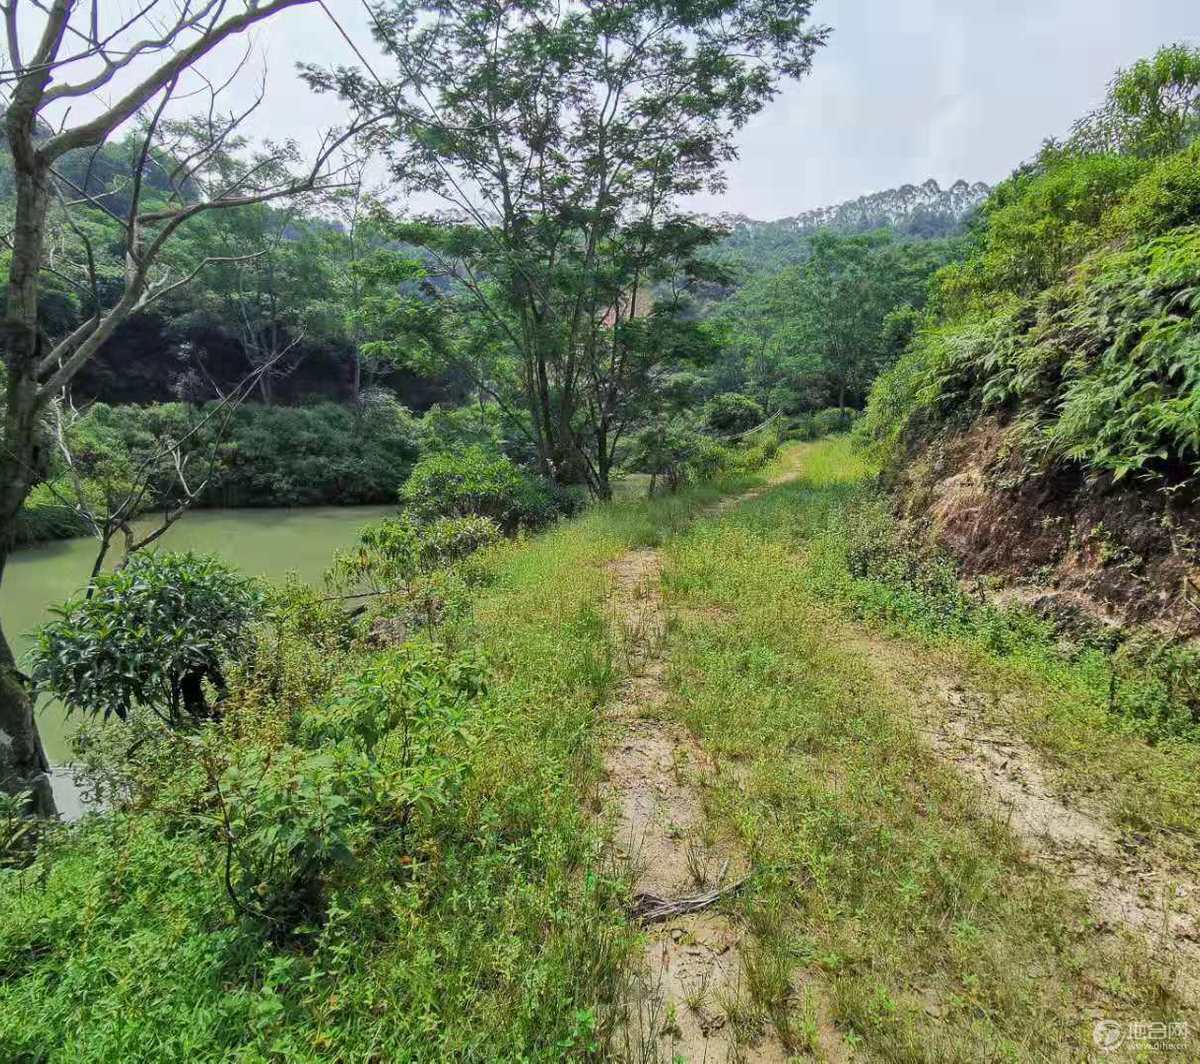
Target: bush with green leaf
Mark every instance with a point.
(18, 830)
(668, 451)
(290, 819)
(313, 455)
(382, 758)
(834, 419)
(477, 482)
(151, 635)
(1166, 197)
(732, 412)
(392, 552)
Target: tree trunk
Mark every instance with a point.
(264, 387)
(603, 485)
(23, 762)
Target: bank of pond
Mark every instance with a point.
(261, 542)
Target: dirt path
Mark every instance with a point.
(1130, 886)
(689, 998)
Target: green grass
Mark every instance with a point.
(919, 928)
(880, 880)
(505, 939)
(1107, 728)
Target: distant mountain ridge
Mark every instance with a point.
(912, 212)
(919, 210)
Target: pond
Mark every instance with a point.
(267, 543)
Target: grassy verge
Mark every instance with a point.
(1107, 728)
(502, 937)
(883, 891)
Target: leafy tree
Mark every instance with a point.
(816, 332)
(61, 53)
(562, 141)
(150, 635)
(732, 412)
(1151, 109)
(267, 286)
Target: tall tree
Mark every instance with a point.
(59, 53)
(821, 330)
(562, 138)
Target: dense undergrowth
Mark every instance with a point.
(381, 848)
(1075, 317)
(888, 907)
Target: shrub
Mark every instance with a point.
(833, 419)
(668, 451)
(151, 635)
(1128, 342)
(732, 412)
(476, 482)
(709, 459)
(393, 551)
(18, 830)
(472, 425)
(290, 817)
(712, 458)
(1038, 223)
(1165, 198)
(271, 456)
(404, 707)
(756, 451)
(386, 753)
(801, 427)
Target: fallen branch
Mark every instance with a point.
(651, 909)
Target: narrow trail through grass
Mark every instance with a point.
(908, 901)
(689, 997)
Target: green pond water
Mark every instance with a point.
(261, 542)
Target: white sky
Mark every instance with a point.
(905, 90)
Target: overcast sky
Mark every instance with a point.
(905, 90)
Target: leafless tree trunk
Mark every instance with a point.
(140, 59)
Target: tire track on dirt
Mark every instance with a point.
(1129, 885)
(690, 998)
(691, 983)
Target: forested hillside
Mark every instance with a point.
(918, 212)
(1045, 421)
